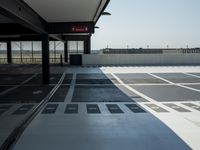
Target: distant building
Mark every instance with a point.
(148, 51)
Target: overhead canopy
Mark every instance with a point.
(53, 17)
(68, 10)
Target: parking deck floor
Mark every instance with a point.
(106, 108)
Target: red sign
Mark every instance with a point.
(80, 29)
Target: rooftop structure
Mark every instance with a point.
(92, 106)
(35, 20)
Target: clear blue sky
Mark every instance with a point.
(157, 23)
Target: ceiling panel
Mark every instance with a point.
(66, 10)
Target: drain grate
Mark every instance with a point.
(156, 108)
(114, 109)
(192, 106)
(176, 107)
(93, 109)
(135, 108)
(22, 110)
(50, 109)
(71, 109)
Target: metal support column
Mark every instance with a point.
(9, 52)
(21, 56)
(32, 53)
(87, 45)
(66, 51)
(45, 59)
(54, 44)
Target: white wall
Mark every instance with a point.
(141, 59)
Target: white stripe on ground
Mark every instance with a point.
(161, 78)
(69, 96)
(193, 75)
(133, 90)
(177, 84)
(15, 87)
(178, 122)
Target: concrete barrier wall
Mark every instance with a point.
(142, 59)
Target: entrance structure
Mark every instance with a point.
(61, 20)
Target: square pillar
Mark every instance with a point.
(66, 51)
(45, 59)
(87, 45)
(9, 52)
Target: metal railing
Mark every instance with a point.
(31, 60)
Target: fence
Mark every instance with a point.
(30, 60)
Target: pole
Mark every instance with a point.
(45, 59)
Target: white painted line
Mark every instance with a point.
(149, 84)
(189, 74)
(97, 84)
(133, 90)
(189, 83)
(15, 87)
(161, 78)
(69, 95)
(177, 84)
(186, 87)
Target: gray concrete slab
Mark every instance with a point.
(8, 121)
(91, 76)
(136, 78)
(3, 88)
(54, 78)
(111, 78)
(4, 108)
(26, 94)
(131, 94)
(197, 74)
(13, 79)
(60, 94)
(23, 109)
(168, 93)
(139, 99)
(105, 93)
(195, 86)
(19, 68)
(178, 77)
(72, 127)
(67, 79)
(94, 78)
(100, 132)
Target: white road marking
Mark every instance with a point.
(70, 93)
(193, 75)
(15, 87)
(177, 84)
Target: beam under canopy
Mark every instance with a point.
(33, 37)
(21, 13)
(15, 29)
(70, 27)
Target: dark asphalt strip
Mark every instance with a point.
(17, 132)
